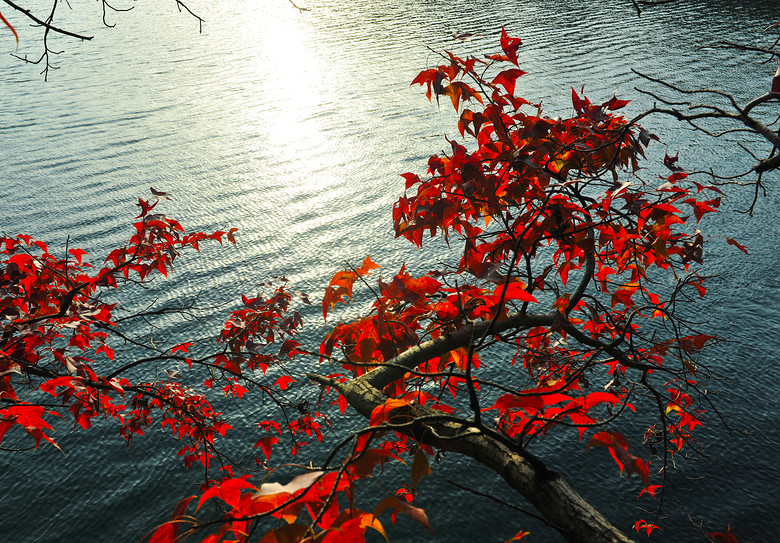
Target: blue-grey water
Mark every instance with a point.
(293, 127)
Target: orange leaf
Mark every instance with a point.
(407, 509)
(5, 21)
(367, 266)
(339, 287)
(381, 413)
(420, 467)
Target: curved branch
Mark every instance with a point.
(741, 115)
(548, 491)
(49, 26)
(395, 368)
(590, 267)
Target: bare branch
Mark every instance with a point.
(46, 24)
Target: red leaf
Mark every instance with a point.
(288, 348)
(228, 491)
(164, 534)
(618, 448)
(11, 28)
(652, 490)
(507, 79)
(183, 347)
(737, 245)
(646, 526)
(613, 104)
(671, 162)
(727, 537)
(283, 382)
(109, 352)
(575, 100)
(78, 254)
(51, 385)
(343, 403)
(230, 236)
(514, 291)
(411, 179)
(168, 532)
(510, 46)
(267, 444)
(146, 207)
(29, 417)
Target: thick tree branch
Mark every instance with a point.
(382, 376)
(562, 507)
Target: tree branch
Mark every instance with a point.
(49, 26)
(384, 375)
(545, 489)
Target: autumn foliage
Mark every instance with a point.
(572, 264)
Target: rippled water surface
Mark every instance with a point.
(294, 127)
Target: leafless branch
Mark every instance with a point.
(298, 7)
(182, 6)
(46, 24)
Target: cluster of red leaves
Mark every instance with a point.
(309, 504)
(55, 332)
(535, 201)
(573, 260)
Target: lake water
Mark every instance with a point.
(293, 127)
